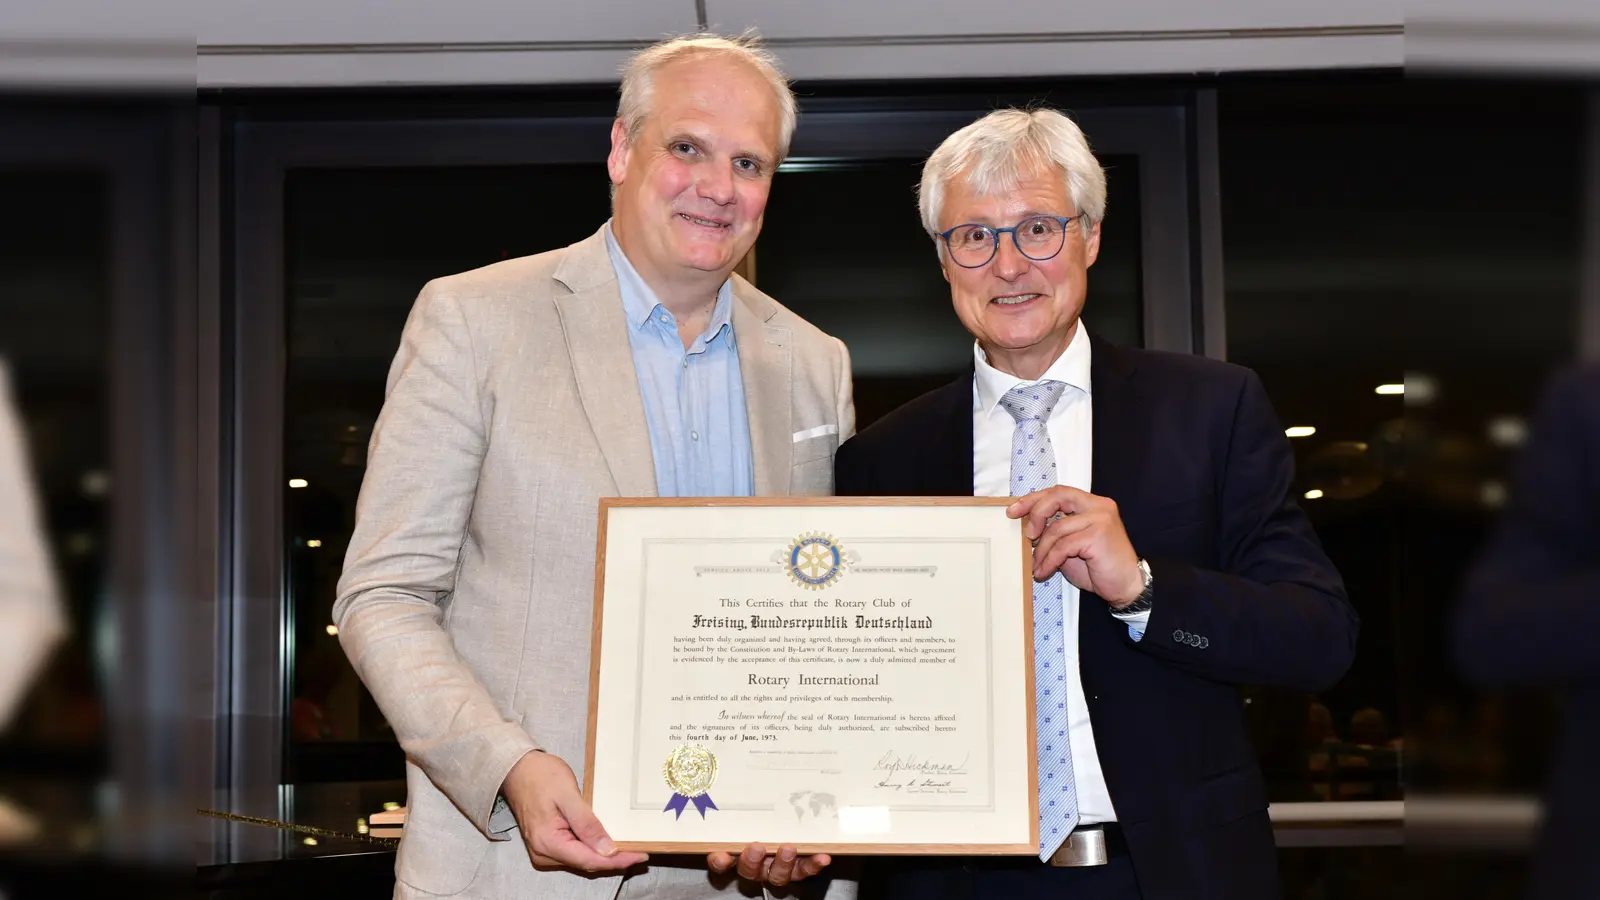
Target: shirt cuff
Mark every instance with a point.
(1136, 622)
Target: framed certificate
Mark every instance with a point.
(848, 675)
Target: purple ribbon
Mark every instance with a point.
(679, 802)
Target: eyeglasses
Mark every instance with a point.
(1038, 238)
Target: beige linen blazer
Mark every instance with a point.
(466, 599)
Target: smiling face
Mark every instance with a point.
(1023, 312)
(693, 185)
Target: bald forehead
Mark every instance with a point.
(711, 69)
(716, 88)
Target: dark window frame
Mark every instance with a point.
(259, 140)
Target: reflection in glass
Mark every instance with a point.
(1373, 316)
(54, 260)
(360, 244)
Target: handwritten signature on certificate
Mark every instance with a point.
(918, 775)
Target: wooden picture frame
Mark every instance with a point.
(668, 663)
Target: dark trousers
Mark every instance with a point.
(1010, 879)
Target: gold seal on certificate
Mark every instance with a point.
(848, 675)
(690, 771)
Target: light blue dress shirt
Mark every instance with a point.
(694, 398)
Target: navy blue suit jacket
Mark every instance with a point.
(1193, 454)
(1531, 610)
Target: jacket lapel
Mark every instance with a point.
(766, 367)
(1120, 445)
(596, 333)
(951, 472)
(1119, 451)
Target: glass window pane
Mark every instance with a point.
(360, 244)
(54, 260)
(1367, 244)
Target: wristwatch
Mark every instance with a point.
(1142, 602)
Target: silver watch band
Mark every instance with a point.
(1141, 604)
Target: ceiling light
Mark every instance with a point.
(1298, 431)
(1493, 494)
(1314, 494)
(1508, 431)
(1390, 389)
(1421, 389)
(298, 482)
(95, 484)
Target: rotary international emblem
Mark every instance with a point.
(690, 772)
(815, 560)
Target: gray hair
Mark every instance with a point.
(638, 77)
(993, 153)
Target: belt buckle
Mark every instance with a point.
(1083, 847)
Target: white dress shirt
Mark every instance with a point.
(1071, 427)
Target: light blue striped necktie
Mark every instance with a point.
(1033, 467)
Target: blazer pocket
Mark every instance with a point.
(816, 443)
(441, 851)
(1236, 793)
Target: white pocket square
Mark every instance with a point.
(816, 432)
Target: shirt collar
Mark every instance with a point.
(989, 384)
(639, 302)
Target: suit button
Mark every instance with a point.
(1179, 635)
(1204, 643)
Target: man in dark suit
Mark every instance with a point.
(1531, 609)
(1171, 563)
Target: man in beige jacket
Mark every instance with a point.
(632, 363)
